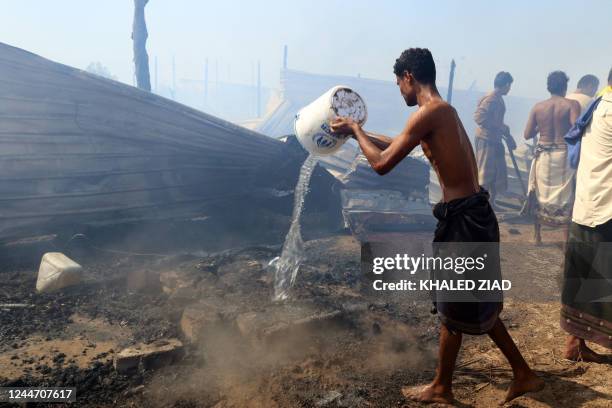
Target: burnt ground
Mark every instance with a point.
(334, 344)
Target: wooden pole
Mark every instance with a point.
(258, 89)
(173, 78)
(516, 169)
(139, 39)
(449, 95)
(206, 81)
(156, 89)
(216, 84)
(285, 57)
(253, 88)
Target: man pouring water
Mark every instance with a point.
(464, 215)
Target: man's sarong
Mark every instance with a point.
(491, 161)
(469, 219)
(587, 286)
(550, 194)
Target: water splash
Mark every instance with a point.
(287, 265)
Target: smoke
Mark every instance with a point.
(293, 367)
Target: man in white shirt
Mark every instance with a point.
(585, 91)
(586, 312)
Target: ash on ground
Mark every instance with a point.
(334, 343)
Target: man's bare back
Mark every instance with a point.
(450, 153)
(552, 119)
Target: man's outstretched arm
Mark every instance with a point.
(381, 141)
(384, 160)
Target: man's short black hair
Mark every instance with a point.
(419, 63)
(557, 83)
(587, 81)
(502, 79)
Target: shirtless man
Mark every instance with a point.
(551, 180)
(436, 127)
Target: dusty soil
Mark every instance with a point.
(372, 344)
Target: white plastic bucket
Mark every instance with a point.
(312, 121)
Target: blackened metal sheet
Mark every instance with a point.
(76, 148)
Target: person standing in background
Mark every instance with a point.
(490, 151)
(586, 312)
(550, 193)
(585, 91)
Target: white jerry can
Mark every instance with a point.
(312, 121)
(57, 271)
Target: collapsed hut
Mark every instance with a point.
(78, 150)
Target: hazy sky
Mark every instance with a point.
(527, 38)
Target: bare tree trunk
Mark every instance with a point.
(139, 37)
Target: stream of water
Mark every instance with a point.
(287, 265)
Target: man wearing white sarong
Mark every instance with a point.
(551, 181)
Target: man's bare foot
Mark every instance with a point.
(522, 385)
(578, 351)
(428, 394)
